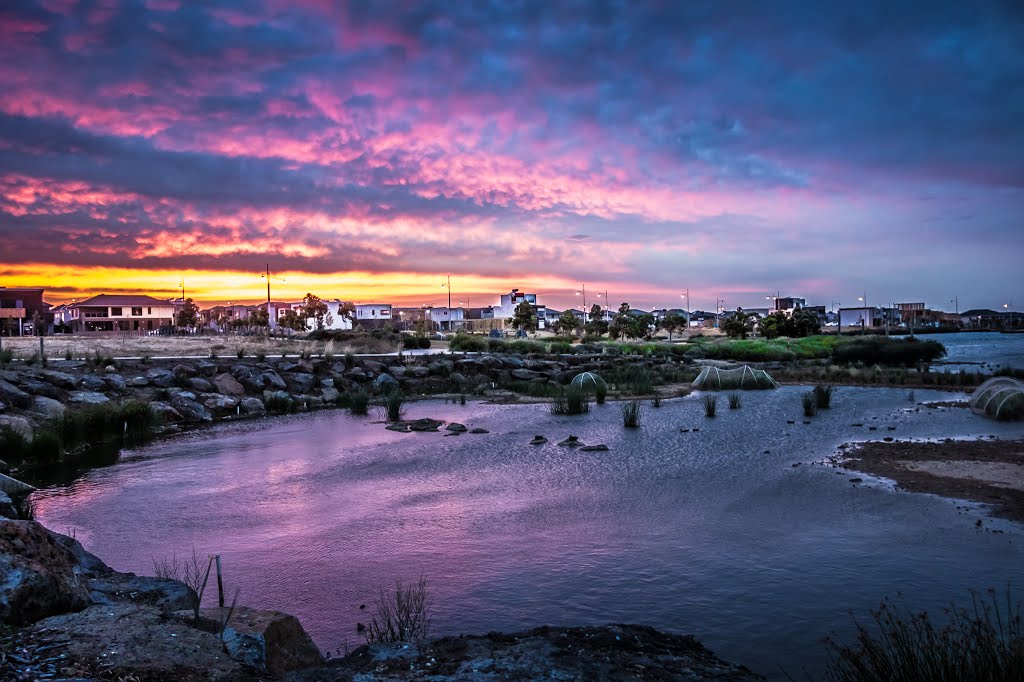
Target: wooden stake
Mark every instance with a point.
(220, 584)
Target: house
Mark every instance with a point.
(869, 317)
(117, 313)
(225, 316)
(447, 318)
(506, 308)
(788, 305)
(373, 315)
(18, 306)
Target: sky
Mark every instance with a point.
(369, 150)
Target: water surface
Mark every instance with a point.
(711, 532)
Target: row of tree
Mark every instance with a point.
(313, 309)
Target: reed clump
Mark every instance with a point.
(710, 405)
(631, 414)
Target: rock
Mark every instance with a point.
(526, 374)
(20, 425)
(42, 388)
(190, 410)
(329, 395)
(183, 372)
(205, 368)
(91, 382)
(401, 427)
(39, 577)
(274, 381)
(424, 424)
(268, 641)
(440, 368)
(249, 377)
(456, 427)
(85, 562)
(479, 430)
(116, 382)
(571, 441)
(594, 448)
(221, 404)
(138, 382)
(200, 384)
(373, 366)
(49, 407)
(58, 379)
(87, 397)
(228, 385)
(4, 467)
(538, 440)
(856, 480)
(160, 377)
(165, 413)
(12, 395)
(418, 372)
(356, 374)
(398, 371)
(300, 382)
(457, 378)
(111, 587)
(385, 383)
(327, 383)
(134, 641)
(252, 406)
(7, 509)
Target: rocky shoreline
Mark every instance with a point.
(66, 614)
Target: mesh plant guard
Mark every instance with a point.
(588, 381)
(1000, 397)
(745, 377)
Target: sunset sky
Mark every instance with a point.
(367, 150)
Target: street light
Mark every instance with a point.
(584, 293)
(863, 319)
(687, 309)
(718, 310)
(448, 285)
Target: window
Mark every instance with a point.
(116, 312)
(149, 311)
(137, 312)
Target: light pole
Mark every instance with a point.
(584, 293)
(687, 309)
(718, 310)
(448, 285)
(863, 317)
(267, 277)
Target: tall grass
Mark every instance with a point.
(570, 401)
(359, 403)
(984, 641)
(710, 405)
(189, 571)
(393, 406)
(823, 396)
(810, 403)
(734, 401)
(631, 414)
(600, 393)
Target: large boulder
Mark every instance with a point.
(138, 382)
(87, 398)
(200, 384)
(160, 377)
(91, 382)
(165, 413)
(190, 410)
(43, 388)
(116, 382)
(329, 395)
(12, 395)
(300, 382)
(268, 641)
(526, 374)
(205, 367)
(221, 404)
(249, 377)
(183, 372)
(274, 381)
(110, 587)
(228, 385)
(48, 407)
(385, 383)
(58, 379)
(252, 406)
(137, 642)
(39, 577)
(20, 425)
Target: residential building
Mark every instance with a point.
(446, 318)
(117, 313)
(18, 306)
(789, 304)
(373, 315)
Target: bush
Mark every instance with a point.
(410, 342)
(402, 616)
(631, 414)
(983, 642)
(570, 401)
(710, 405)
(423, 342)
(823, 396)
(279, 404)
(13, 445)
(393, 406)
(559, 347)
(468, 344)
(359, 403)
(6, 355)
(601, 392)
(810, 403)
(880, 350)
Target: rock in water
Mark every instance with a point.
(39, 577)
(538, 440)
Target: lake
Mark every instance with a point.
(711, 532)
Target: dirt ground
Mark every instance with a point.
(990, 471)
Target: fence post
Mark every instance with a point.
(220, 584)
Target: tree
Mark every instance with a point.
(259, 318)
(292, 320)
(801, 323)
(641, 326)
(739, 325)
(774, 325)
(313, 308)
(188, 316)
(597, 324)
(567, 323)
(525, 317)
(805, 323)
(620, 323)
(347, 311)
(672, 322)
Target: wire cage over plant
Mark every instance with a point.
(745, 377)
(589, 381)
(1001, 398)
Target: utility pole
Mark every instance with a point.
(448, 286)
(687, 310)
(584, 286)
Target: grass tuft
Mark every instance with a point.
(402, 616)
(810, 403)
(631, 414)
(734, 401)
(823, 396)
(710, 405)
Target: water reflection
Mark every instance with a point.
(701, 532)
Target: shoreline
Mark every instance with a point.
(990, 472)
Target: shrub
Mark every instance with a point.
(468, 344)
(570, 401)
(601, 392)
(6, 355)
(559, 347)
(240, 352)
(67, 354)
(823, 396)
(350, 359)
(261, 356)
(631, 414)
(393, 406)
(359, 402)
(734, 401)
(424, 342)
(402, 616)
(982, 642)
(656, 401)
(810, 403)
(879, 350)
(710, 405)
(279, 404)
(410, 342)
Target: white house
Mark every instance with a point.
(373, 314)
(108, 313)
(447, 318)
